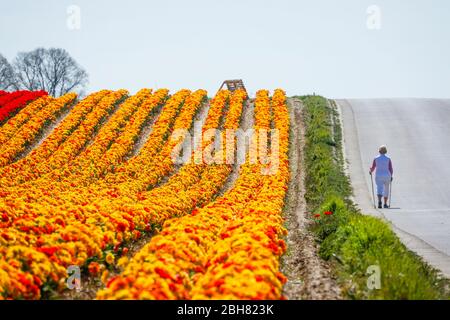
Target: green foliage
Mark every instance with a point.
(328, 225)
(351, 240)
(324, 177)
(366, 241)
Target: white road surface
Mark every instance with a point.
(417, 134)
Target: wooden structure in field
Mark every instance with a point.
(233, 85)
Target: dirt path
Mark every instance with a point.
(118, 104)
(309, 277)
(144, 134)
(200, 117)
(46, 132)
(195, 132)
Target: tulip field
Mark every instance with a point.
(81, 182)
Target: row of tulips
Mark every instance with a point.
(12, 102)
(147, 276)
(13, 280)
(27, 134)
(191, 256)
(66, 191)
(86, 231)
(14, 124)
(78, 140)
(144, 169)
(193, 185)
(167, 267)
(79, 170)
(45, 200)
(105, 137)
(244, 263)
(125, 138)
(81, 197)
(6, 97)
(130, 176)
(26, 169)
(72, 146)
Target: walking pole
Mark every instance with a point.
(373, 194)
(390, 194)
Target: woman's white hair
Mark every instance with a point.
(382, 149)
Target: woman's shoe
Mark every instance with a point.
(386, 206)
(379, 205)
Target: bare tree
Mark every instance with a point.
(6, 74)
(52, 70)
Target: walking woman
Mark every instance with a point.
(383, 176)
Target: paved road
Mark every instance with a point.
(417, 134)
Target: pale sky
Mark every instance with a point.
(321, 46)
